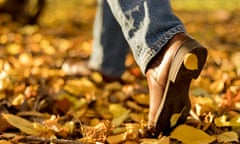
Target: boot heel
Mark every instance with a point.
(188, 61)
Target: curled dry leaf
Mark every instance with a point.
(99, 132)
(228, 137)
(131, 133)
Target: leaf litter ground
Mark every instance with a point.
(40, 103)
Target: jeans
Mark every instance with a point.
(144, 25)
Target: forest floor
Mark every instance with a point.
(40, 103)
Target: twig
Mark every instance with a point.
(49, 140)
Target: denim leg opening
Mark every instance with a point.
(147, 25)
(149, 54)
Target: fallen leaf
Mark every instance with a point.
(227, 137)
(21, 123)
(216, 86)
(80, 86)
(113, 86)
(5, 142)
(96, 77)
(120, 119)
(162, 140)
(132, 131)
(221, 121)
(235, 121)
(191, 135)
(116, 138)
(141, 99)
(117, 110)
(99, 132)
(14, 48)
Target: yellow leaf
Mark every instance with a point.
(23, 124)
(235, 121)
(141, 99)
(117, 110)
(119, 120)
(5, 142)
(191, 135)
(221, 121)
(97, 77)
(227, 137)
(191, 61)
(116, 138)
(14, 48)
(132, 131)
(162, 140)
(114, 86)
(80, 86)
(217, 86)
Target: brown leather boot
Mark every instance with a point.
(169, 75)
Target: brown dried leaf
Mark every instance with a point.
(99, 132)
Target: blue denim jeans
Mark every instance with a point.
(145, 25)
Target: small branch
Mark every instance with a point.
(49, 140)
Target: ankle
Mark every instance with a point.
(170, 48)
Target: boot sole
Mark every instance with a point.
(176, 95)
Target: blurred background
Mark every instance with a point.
(74, 17)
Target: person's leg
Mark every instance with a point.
(163, 51)
(109, 45)
(147, 25)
